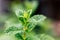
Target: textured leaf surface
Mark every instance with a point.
(37, 18)
(30, 26)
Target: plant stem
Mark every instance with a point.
(24, 35)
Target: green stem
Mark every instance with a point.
(25, 28)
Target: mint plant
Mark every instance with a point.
(26, 25)
(23, 29)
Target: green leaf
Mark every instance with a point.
(33, 21)
(12, 29)
(22, 20)
(12, 26)
(21, 35)
(18, 36)
(30, 26)
(17, 8)
(37, 19)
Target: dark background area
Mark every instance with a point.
(50, 8)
